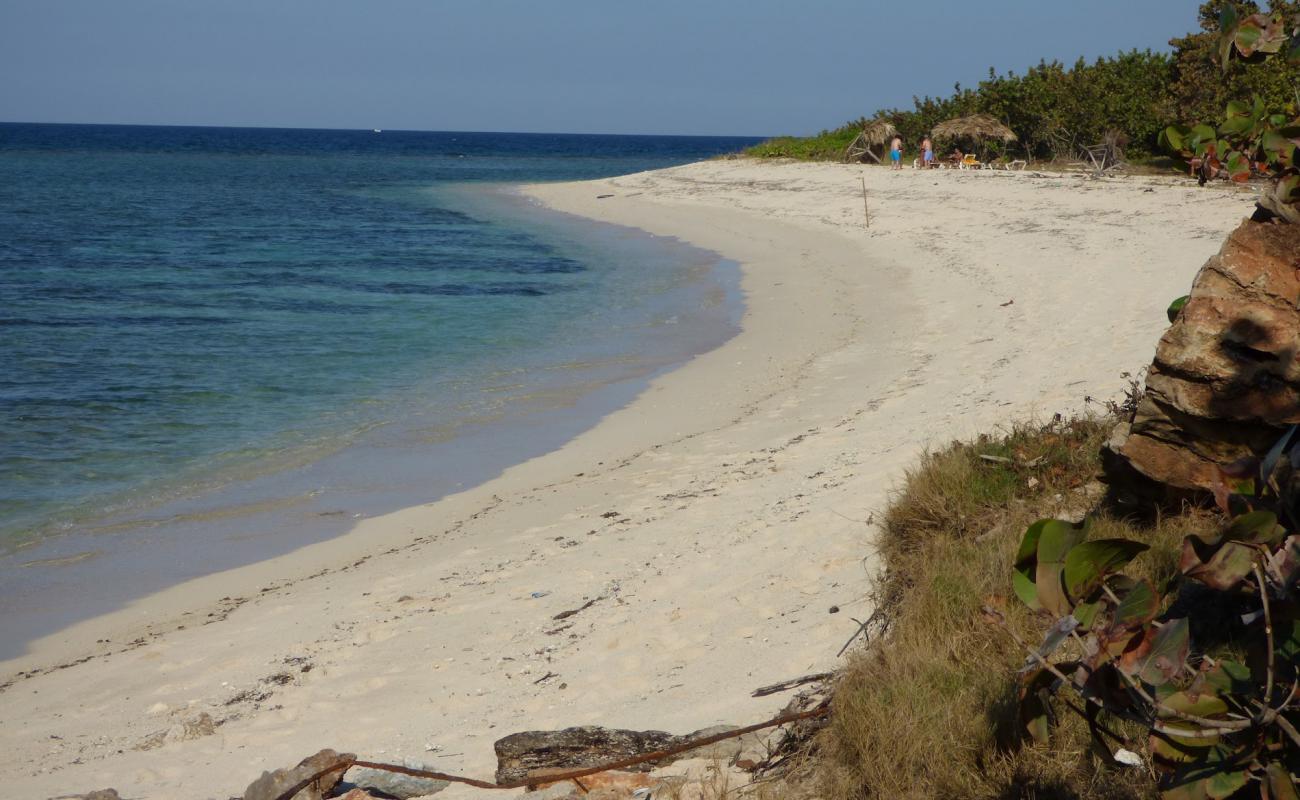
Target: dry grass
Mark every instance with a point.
(930, 710)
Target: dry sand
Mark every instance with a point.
(714, 521)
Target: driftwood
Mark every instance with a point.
(521, 754)
(821, 710)
(764, 691)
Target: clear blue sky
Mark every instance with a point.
(757, 67)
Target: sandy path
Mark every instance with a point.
(714, 520)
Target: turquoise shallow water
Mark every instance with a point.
(219, 344)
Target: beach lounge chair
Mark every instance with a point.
(970, 162)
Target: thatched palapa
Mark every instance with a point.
(878, 131)
(976, 126)
(875, 132)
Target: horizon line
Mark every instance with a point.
(395, 130)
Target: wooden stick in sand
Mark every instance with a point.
(866, 212)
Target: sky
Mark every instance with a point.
(705, 67)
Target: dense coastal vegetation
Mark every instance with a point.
(1181, 668)
(1055, 109)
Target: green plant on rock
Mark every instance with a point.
(1208, 665)
(1253, 139)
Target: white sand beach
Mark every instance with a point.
(714, 521)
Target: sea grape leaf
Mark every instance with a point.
(1027, 553)
(1238, 166)
(1256, 527)
(1026, 590)
(1136, 608)
(1202, 135)
(1176, 307)
(1277, 778)
(1022, 580)
(1205, 704)
(1055, 541)
(1226, 783)
(1180, 749)
(1086, 613)
(1088, 564)
(1215, 563)
(1175, 137)
(1160, 654)
(1229, 678)
(1236, 125)
(1227, 28)
(1215, 772)
(1035, 707)
(1286, 634)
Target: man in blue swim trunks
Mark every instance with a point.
(927, 153)
(896, 153)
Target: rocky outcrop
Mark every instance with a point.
(273, 785)
(1225, 378)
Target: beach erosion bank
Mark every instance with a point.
(712, 523)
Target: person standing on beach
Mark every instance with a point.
(927, 153)
(896, 153)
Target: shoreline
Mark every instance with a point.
(717, 517)
(427, 447)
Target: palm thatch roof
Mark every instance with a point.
(976, 126)
(878, 131)
(874, 133)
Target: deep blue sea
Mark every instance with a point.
(217, 344)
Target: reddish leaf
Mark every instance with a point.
(1160, 654)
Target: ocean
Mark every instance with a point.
(220, 344)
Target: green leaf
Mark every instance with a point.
(1136, 608)
(1216, 563)
(1256, 527)
(1180, 749)
(1223, 785)
(1055, 541)
(1247, 36)
(1022, 580)
(1278, 780)
(1027, 554)
(1236, 126)
(1229, 678)
(1035, 706)
(1088, 564)
(1160, 655)
(1174, 138)
(1026, 590)
(1202, 134)
(1227, 18)
(1176, 307)
(1086, 613)
(1238, 167)
(1202, 705)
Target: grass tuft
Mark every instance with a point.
(929, 710)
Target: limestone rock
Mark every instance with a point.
(273, 784)
(194, 728)
(395, 784)
(1225, 378)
